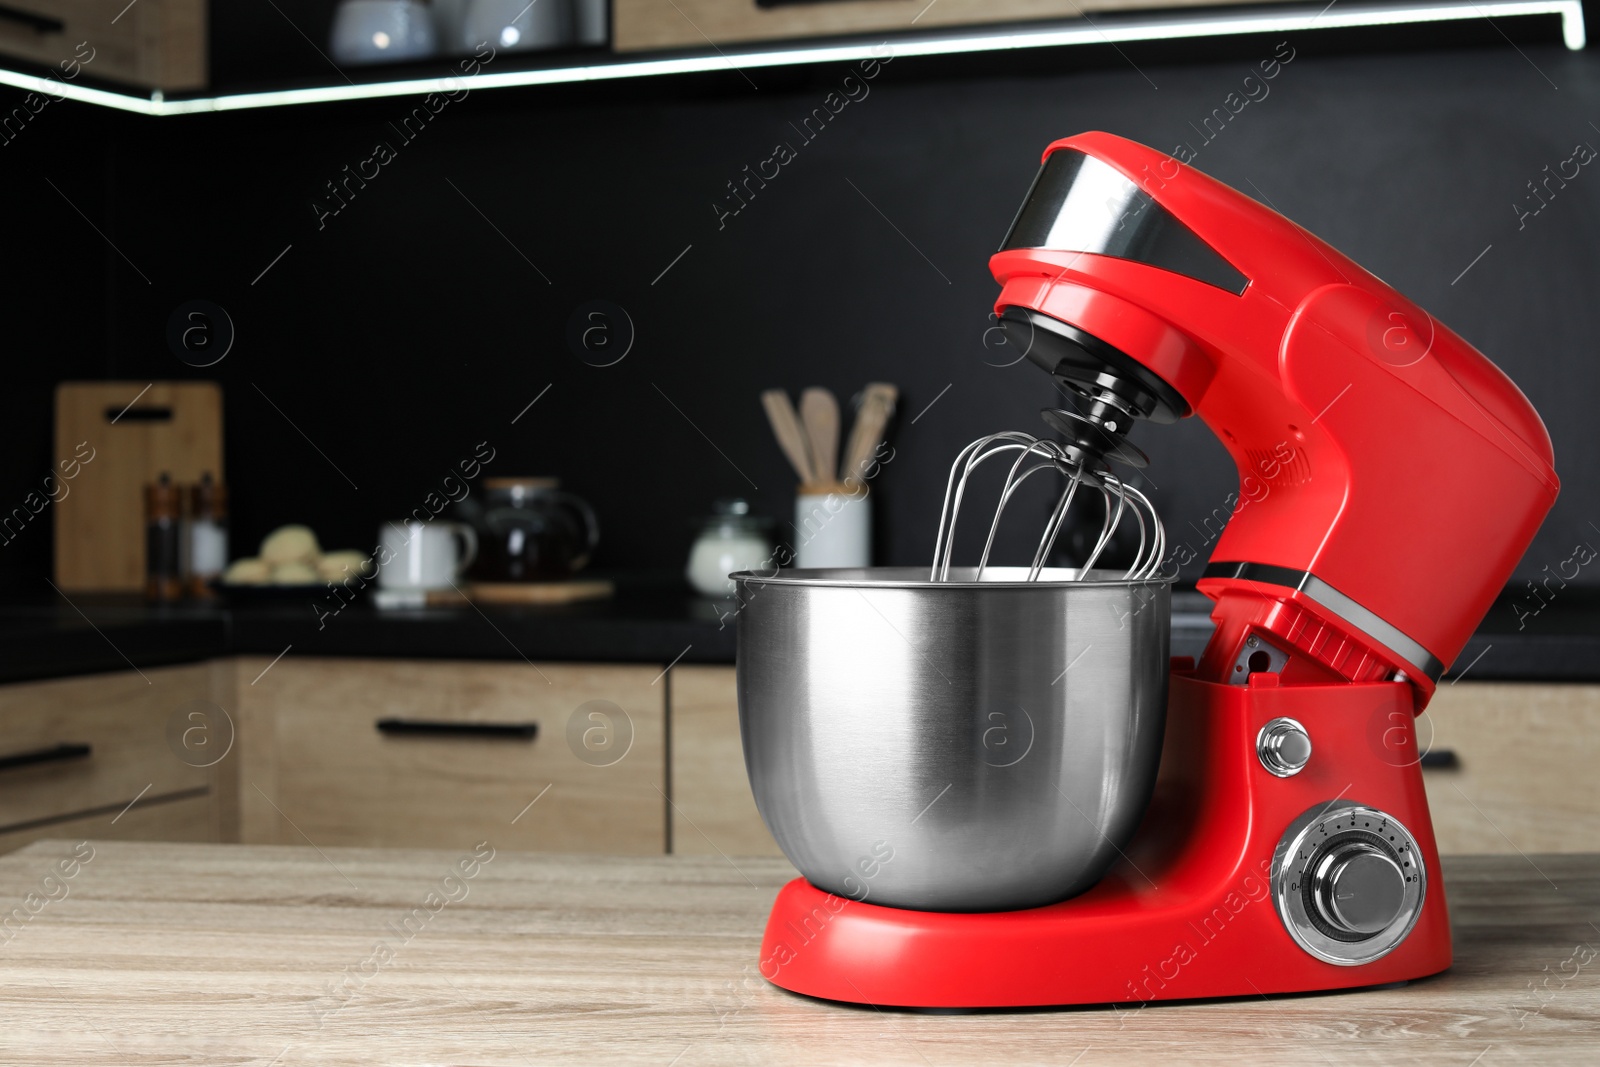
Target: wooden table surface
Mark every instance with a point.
(229, 954)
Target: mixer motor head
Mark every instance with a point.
(1148, 290)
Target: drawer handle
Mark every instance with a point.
(791, 3)
(1440, 759)
(40, 24)
(520, 731)
(151, 413)
(67, 750)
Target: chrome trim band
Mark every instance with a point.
(1342, 607)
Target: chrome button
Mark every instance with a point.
(1284, 747)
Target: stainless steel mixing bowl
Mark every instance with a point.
(951, 746)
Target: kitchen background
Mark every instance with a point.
(397, 289)
(378, 345)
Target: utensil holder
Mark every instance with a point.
(833, 526)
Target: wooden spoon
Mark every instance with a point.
(819, 411)
(786, 428)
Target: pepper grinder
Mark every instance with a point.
(163, 516)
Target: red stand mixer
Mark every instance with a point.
(1394, 476)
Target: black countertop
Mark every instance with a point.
(651, 619)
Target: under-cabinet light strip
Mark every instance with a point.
(1113, 30)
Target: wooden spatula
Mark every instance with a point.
(819, 412)
(791, 436)
(872, 420)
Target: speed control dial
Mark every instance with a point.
(1348, 882)
(1359, 889)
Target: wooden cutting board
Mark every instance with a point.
(137, 430)
(568, 592)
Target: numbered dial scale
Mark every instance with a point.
(1348, 882)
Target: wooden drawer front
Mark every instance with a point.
(1527, 767)
(184, 819)
(122, 717)
(317, 768)
(156, 44)
(643, 24)
(713, 810)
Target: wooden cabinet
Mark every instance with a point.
(713, 810)
(646, 24)
(107, 756)
(1525, 779)
(575, 758)
(394, 752)
(153, 44)
(185, 818)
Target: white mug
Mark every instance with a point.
(425, 555)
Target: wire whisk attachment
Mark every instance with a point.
(1069, 461)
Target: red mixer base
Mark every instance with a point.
(1188, 914)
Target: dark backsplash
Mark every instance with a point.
(393, 334)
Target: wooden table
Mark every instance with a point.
(228, 954)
